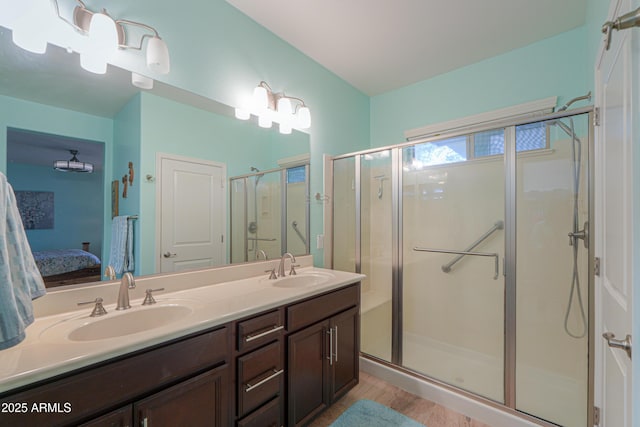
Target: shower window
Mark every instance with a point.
(529, 137)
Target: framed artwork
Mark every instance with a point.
(115, 193)
(36, 209)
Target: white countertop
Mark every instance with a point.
(46, 351)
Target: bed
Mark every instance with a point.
(60, 267)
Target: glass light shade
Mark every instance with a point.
(158, 56)
(285, 128)
(242, 114)
(264, 120)
(29, 30)
(102, 44)
(143, 82)
(71, 166)
(284, 107)
(260, 98)
(304, 117)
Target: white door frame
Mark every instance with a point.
(159, 158)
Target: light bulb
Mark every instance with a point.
(158, 56)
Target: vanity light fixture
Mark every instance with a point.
(73, 165)
(104, 35)
(288, 111)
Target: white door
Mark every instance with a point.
(191, 213)
(617, 100)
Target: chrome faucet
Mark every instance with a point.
(127, 282)
(110, 272)
(281, 272)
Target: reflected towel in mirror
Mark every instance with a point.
(121, 254)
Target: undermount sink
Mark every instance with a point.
(118, 323)
(302, 280)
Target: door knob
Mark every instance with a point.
(169, 255)
(624, 344)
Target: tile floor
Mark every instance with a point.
(428, 413)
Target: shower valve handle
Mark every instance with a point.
(582, 234)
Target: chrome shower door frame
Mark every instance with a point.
(509, 262)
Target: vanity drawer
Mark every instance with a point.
(270, 415)
(259, 330)
(260, 377)
(311, 311)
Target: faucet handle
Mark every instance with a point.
(98, 310)
(149, 299)
(272, 273)
(293, 272)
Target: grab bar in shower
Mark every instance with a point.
(463, 253)
(294, 224)
(261, 240)
(499, 225)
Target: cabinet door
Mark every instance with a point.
(308, 372)
(345, 330)
(200, 401)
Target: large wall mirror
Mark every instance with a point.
(50, 106)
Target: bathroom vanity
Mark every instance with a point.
(251, 352)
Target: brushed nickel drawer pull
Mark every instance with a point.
(249, 387)
(275, 328)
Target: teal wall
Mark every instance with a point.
(77, 206)
(551, 67)
(15, 113)
(173, 128)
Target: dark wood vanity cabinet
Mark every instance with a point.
(322, 357)
(192, 370)
(277, 368)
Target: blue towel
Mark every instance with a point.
(20, 280)
(121, 254)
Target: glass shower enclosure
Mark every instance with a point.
(475, 247)
(270, 213)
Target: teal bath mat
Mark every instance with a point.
(366, 413)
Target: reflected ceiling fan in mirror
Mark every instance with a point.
(73, 165)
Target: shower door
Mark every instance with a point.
(552, 271)
(453, 240)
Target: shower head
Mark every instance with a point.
(254, 169)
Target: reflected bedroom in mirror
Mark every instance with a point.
(144, 152)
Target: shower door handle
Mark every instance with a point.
(624, 344)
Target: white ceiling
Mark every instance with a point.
(381, 45)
